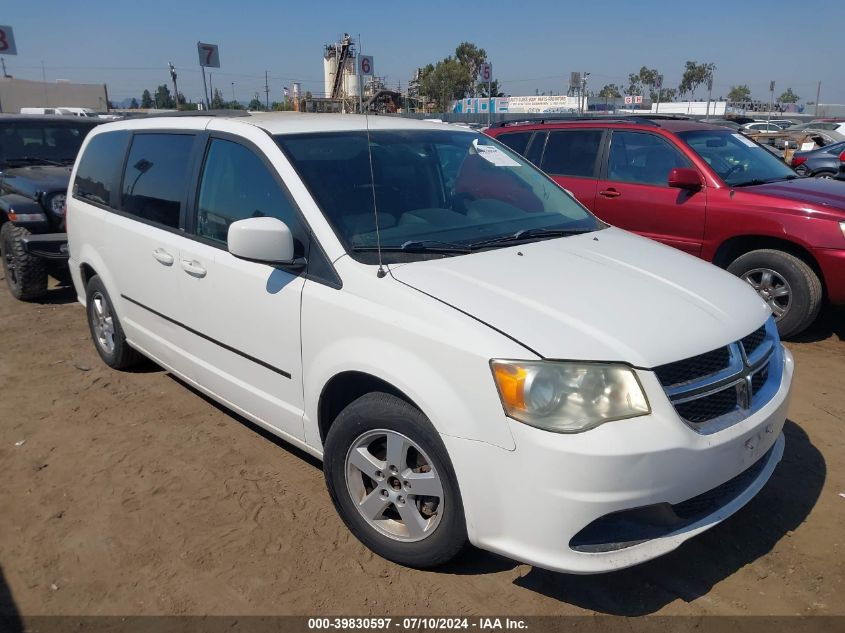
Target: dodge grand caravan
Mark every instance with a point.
(474, 356)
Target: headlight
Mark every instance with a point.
(568, 397)
(56, 203)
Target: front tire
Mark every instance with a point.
(25, 274)
(790, 287)
(392, 482)
(106, 331)
(825, 174)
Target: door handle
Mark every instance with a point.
(610, 193)
(193, 268)
(163, 256)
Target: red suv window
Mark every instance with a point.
(572, 153)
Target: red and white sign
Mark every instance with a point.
(486, 72)
(638, 99)
(365, 64)
(629, 100)
(7, 41)
(209, 55)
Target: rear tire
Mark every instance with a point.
(106, 331)
(790, 287)
(384, 451)
(824, 174)
(25, 274)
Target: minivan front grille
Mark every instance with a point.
(716, 389)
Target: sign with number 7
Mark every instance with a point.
(209, 55)
(7, 41)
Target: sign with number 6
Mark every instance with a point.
(209, 55)
(365, 64)
(7, 41)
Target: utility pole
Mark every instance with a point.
(659, 85)
(818, 92)
(584, 91)
(233, 94)
(709, 94)
(771, 101)
(3, 61)
(266, 92)
(175, 89)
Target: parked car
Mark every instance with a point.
(728, 123)
(762, 127)
(433, 317)
(35, 158)
(783, 123)
(830, 128)
(709, 192)
(64, 111)
(819, 163)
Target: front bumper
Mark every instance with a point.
(529, 504)
(52, 246)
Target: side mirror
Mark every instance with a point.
(267, 240)
(685, 178)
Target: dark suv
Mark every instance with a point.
(36, 155)
(706, 190)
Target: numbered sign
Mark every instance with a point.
(7, 41)
(486, 73)
(209, 55)
(365, 64)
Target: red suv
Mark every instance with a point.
(706, 190)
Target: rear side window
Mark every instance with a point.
(99, 166)
(517, 141)
(236, 184)
(572, 153)
(156, 176)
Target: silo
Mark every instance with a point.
(329, 69)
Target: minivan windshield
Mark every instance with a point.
(437, 192)
(737, 160)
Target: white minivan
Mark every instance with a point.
(474, 356)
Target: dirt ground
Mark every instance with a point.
(128, 493)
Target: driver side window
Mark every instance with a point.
(236, 184)
(642, 158)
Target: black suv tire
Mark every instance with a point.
(804, 286)
(26, 275)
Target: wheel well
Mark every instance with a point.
(736, 246)
(345, 388)
(87, 273)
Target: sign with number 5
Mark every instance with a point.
(486, 72)
(7, 41)
(209, 55)
(365, 64)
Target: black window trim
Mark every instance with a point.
(597, 164)
(603, 174)
(117, 176)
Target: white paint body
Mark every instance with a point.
(430, 328)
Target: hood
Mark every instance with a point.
(817, 191)
(606, 296)
(35, 179)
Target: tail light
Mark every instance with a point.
(799, 160)
(842, 157)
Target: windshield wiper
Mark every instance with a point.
(762, 181)
(527, 234)
(34, 159)
(419, 246)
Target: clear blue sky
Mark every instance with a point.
(533, 45)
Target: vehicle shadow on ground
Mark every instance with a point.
(10, 619)
(692, 570)
(58, 295)
(831, 322)
(290, 448)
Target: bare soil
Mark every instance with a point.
(128, 493)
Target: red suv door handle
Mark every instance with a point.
(610, 193)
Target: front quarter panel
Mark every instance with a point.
(434, 354)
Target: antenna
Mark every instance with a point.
(381, 271)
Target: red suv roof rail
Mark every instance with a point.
(636, 118)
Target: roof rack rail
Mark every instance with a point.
(564, 119)
(211, 113)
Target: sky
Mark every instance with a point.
(533, 46)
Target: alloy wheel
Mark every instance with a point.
(772, 288)
(394, 485)
(103, 323)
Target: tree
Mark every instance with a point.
(638, 82)
(217, 102)
(610, 91)
(495, 91)
(694, 75)
(146, 99)
(446, 81)
(163, 99)
(255, 104)
(134, 104)
(788, 97)
(739, 93)
(471, 57)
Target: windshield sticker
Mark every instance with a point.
(494, 155)
(745, 141)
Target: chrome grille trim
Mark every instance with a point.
(738, 376)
